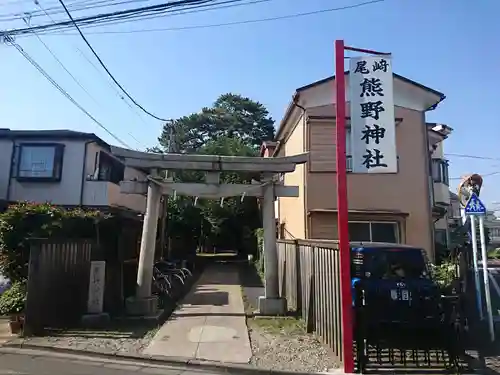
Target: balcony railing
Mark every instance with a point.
(105, 193)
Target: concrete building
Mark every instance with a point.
(382, 207)
(492, 222)
(65, 168)
(437, 133)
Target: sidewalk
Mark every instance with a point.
(5, 334)
(210, 322)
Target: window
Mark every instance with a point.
(494, 232)
(440, 236)
(378, 231)
(40, 162)
(440, 171)
(110, 169)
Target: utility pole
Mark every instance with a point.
(172, 147)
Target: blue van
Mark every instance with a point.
(392, 283)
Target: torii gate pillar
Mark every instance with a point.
(271, 303)
(144, 302)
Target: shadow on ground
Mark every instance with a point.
(252, 286)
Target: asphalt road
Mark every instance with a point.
(25, 364)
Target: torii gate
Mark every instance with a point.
(154, 186)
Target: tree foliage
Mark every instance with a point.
(23, 222)
(233, 126)
(231, 116)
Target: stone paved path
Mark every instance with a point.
(210, 322)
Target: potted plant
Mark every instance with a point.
(12, 304)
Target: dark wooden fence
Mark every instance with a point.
(309, 277)
(58, 284)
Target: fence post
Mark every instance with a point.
(32, 317)
(311, 314)
(298, 273)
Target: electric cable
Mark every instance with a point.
(482, 175)
(62, 91)
(190, 10)
(234, 23)
(105, 16)
(74, 7)
(100, 72)
(106, 68)
(63, 66)
(466, 156)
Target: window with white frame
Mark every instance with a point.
(110, 169)
(40, 161)
(440, 171)
(374, 231)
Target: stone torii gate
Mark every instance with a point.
(154, 186)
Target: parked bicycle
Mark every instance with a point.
(173, 268)
(169, 275)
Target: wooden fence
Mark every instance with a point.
(58, 284)
(309, 278)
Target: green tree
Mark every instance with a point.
(233, 126)
(210, 222)
(231, 116)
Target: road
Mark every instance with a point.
(37, 364)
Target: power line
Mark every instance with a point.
(473, 157)
(259, 20)
(61, 90)
(76, 6)
(482, 175)
(105, 16)
(62, 65)
(190, 10)
(110, 85)
(115, 16)
(95, 67)
(105, 67)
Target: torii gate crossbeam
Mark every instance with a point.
(268, 189)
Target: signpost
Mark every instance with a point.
(374, 152)
(373, 129)
(475, 208)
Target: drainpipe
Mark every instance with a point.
(12, 158)
(82, 186)
(306, 219)
(430, 183)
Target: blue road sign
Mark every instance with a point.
(474, 206)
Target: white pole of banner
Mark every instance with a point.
(476, 267)
(484, 256)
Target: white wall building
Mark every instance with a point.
(65, 168)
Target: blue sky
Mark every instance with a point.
(449, 45)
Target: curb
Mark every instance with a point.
(227, 368)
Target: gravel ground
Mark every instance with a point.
(123, 340)
(277, 343)
(280, 343)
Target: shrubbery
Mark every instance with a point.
(259, 233)
(25, 221)
(13, 299)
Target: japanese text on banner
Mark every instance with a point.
(373, 132)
